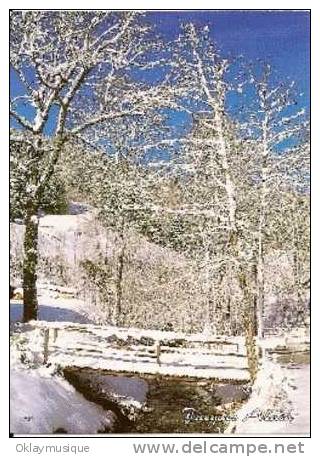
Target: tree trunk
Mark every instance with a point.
(119, 284)
(260, 288)
(120, 274)
(260, 295)
(207, 319)
(255, 299)
(30, 262)
(299, 315)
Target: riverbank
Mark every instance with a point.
(280, 400)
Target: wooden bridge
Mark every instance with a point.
(131, 352)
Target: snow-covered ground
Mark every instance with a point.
(54, 306)
(53, 311)
(279, 404)
(41, 402)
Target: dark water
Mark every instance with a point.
(180, 407)
(172, 405)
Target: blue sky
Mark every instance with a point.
(280, 37)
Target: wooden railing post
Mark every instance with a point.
(158, 352)
(46, 346)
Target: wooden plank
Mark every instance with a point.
(184, 351)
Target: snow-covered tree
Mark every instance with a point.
(75, 73)
(276, 129)
(54, 198)
(214, 152)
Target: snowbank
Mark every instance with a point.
(41, 402)
(279, 403)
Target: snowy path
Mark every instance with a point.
(56, 312)
(54, 306)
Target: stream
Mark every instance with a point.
(171, 405)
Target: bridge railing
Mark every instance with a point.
(79, 345)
